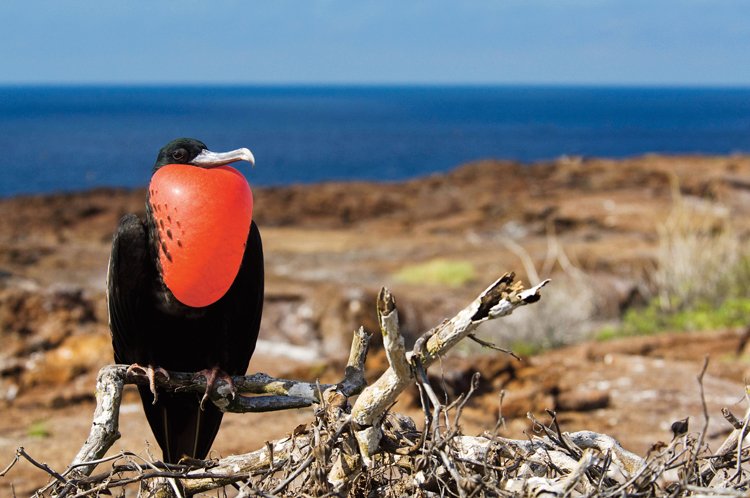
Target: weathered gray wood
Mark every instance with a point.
(499, 299)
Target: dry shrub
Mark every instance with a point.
(567, 315)
(701, 258)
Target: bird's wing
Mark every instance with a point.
(126, 287)
(245, 306)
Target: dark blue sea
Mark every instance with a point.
(74, 138)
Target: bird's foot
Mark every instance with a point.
(212, 375)
(150, 372)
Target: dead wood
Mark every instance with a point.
(362, 449)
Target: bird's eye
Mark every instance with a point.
(179, 154)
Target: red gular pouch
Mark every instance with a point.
(203, 218)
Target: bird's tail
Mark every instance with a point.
(179, 425)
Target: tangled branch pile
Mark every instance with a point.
(358, 447)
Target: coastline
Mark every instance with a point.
(330, 246)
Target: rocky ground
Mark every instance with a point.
(330, 247)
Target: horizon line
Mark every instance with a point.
(313, 84)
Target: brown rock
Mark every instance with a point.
(582, 401)
(519, 402)
(76, 355)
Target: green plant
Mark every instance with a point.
(525, 348)
(38, 429)
(452, 273)
(733, 312)
(608, 332)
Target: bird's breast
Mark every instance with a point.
(202, 218)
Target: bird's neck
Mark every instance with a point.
(199, 221)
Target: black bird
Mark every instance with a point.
(185, 288)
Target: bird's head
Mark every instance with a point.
(195, 153)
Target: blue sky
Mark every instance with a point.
(631, 42)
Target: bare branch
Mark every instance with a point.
(376, 398)
(285, 394)
(499, 299)
(293, 455)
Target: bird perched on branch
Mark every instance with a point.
(185, 288)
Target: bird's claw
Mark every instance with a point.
(150, 372)
(212, 375)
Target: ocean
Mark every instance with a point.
(71, 138)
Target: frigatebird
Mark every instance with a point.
(185, 288)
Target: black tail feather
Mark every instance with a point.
(181, 428)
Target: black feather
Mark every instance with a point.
(222, 334)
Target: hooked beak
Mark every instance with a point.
(208, 159)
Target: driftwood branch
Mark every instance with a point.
(499, 299)
(359, 428)
(276, 394)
